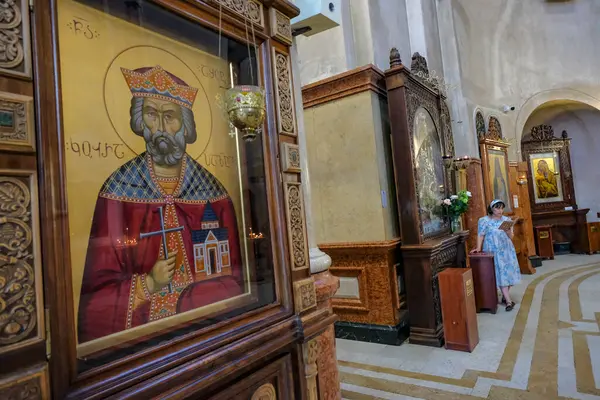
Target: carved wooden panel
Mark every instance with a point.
(290, 157)
(310, 352)
(250, 10)
(21, 308)
(294, 204)
(26, 385)
(265, 392)
(15, 41)
(305, 296)
(270, 382)
(480, 125)
(281, 27)
(286, 118)
(16, 122)
(494, 129)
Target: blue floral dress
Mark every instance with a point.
(499, 244)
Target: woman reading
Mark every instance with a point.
(495, 233)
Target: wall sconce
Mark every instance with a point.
(447, 161)
(522, 180)
(462, 163)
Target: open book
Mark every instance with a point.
(506, 225)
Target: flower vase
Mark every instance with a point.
(455, 224)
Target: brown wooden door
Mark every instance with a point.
(23, 363)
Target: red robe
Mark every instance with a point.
(114, 296)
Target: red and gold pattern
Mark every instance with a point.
(158, 83)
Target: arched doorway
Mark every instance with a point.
(580, 120)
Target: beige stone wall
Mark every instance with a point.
(349, 169)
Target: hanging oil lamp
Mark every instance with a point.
(245, 104)
(246, 109)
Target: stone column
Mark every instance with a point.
(319, 261)
(325, 284)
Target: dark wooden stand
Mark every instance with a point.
(422, 264)
(544, 242)
(567, 226)
(458, 309)
(484, 280)
(593, 230)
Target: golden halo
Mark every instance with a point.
(117, 96)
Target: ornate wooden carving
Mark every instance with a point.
(305, 296)
(281, 27)
(541, 133)
(265, 392)
(448, 139)
(251, 10)
(480, 125)
(310, 352)
(286, 117)
(418, 65)
(239, 353)
(16, 122)
(290, 158)
(395, 59)
(424, 255)
(20, 291)
(494, 129)
(444, 257)
(541, 139)
(296, 225)
(15, 47)
(27, 385)
(343, 85)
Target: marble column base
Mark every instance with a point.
(393, 335)
(329, 382)
(319, 261)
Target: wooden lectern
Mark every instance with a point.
(458, 309)
(484, 280)
(594, 236)
(544, 242)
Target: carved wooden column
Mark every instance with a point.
(310, 352)
(23, 328)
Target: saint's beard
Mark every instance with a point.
(164, 148)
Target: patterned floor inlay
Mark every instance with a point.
(547, 348)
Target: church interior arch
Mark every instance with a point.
(580, 120)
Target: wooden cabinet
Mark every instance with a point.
(593, 229)
(544, 242)
(420, 125)
(458, 309)
(484, 281)
(88, 310)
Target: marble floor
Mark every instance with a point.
(548, 347)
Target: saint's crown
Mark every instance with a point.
(160, 84)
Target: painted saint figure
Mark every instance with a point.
(127, 281)
(545, 181)
(500, 186)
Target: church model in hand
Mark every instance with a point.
(161, 201)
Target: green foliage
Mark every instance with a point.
(457, 205)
